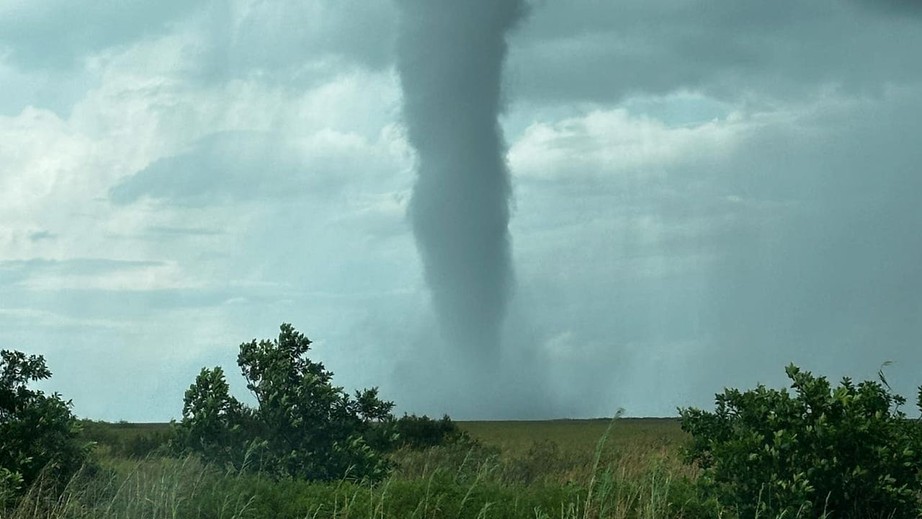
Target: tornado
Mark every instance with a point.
(450, 57)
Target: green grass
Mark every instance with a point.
(552, 469)
(511, 437)
(576, 435)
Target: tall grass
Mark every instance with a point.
(637, 480)
(156, 488)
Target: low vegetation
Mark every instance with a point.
(847, 452)
(303, 426)
(38, 433)
(623, 478)
(308, 449)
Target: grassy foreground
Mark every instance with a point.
(629, 468)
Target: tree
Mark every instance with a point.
(214, 423)
(37, 431)
(848, 451)
(303, 426)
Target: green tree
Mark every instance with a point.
(303, 426)
(214, 423)
(37, 431)
(848, 450)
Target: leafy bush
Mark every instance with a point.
(214, 424)
(420, 432)
(848, 451)
(10, 486)
(37, 431)
(303, 425)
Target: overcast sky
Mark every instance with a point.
(703, 192)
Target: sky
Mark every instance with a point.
(699, 193)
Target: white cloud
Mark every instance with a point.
(166, 276)
(41, 318)
(613, 143)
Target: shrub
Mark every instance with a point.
(303, 425)
(420, 432)
(38, 433)
(848, 450)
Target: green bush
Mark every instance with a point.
(303, 425)
(11, 484)
(38, 433)
(847, 451)
(420, 432)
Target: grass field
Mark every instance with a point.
(547, 469)
(577, 435)
(513, 437)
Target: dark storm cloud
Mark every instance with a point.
(795, 241)
(593, 51)
(846, 253)
(450, 57)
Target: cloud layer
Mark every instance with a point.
(699, 196)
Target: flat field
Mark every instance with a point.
(516, 437)
(510, 436)
(567, 469)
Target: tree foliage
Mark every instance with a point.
(848, 451)
(302, 426)
(421, 432)
(37, 431)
